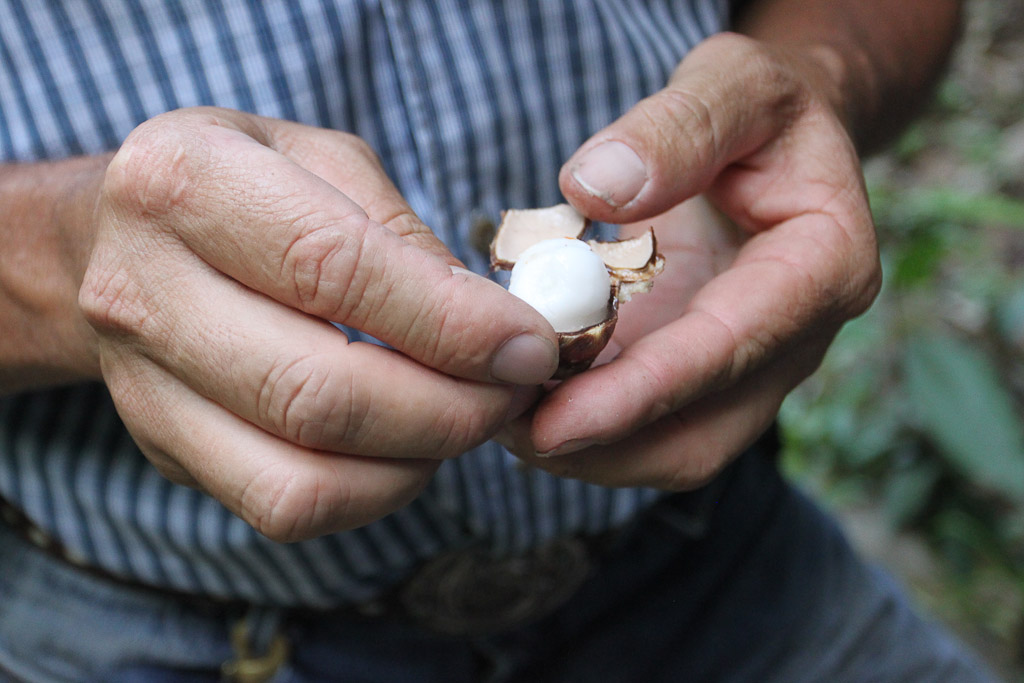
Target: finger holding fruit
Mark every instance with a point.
(754, 129)
(225, 246)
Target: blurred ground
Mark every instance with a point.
(949, 202)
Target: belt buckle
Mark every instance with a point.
(470, 592)
(246, 666)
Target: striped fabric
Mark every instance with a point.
(471, 104)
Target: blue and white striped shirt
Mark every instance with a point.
(472, 105)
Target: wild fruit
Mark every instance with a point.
(577, 285)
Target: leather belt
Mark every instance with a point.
(465, 592)
(473, 593)
(468, 592)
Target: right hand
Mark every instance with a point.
(224, 243)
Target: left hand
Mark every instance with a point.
(751, 298)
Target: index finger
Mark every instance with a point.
(799, 277)
(359, 176)
(274, 226)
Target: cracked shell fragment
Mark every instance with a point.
(538, 237)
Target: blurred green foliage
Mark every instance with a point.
(919, 406)
(918, 410)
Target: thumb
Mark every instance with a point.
(723, 102)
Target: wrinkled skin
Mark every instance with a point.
(195, 272)
(754, 289)
(223, 244)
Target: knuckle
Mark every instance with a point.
(721, 355)
(684, 107)
(404, 223)
(149, 175)
(296, 400)
(432, 332)
(855, 279)
(679, 114)
(112, 302)
(353, 423)
(458, 429)
(322, 265)
(439, 331)
(289, 504)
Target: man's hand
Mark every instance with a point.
(749, 302)
(224, 245)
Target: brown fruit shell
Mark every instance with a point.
(632, 265)
(577, 350)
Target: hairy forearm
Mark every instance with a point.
(881, 58)
(46, 218)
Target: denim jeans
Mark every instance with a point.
(763, 589)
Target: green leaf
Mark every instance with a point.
(928, 205)
(919, 260)
(1009, 313)
(964, 539)
(963, 406)
(913, 141)
(907, 491)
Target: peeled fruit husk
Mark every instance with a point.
(632, 265)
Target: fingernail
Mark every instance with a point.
(570, 446)
(612, 171)
(526, 359)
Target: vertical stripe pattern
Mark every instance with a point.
(472, 106)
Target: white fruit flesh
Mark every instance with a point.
(565, 281)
